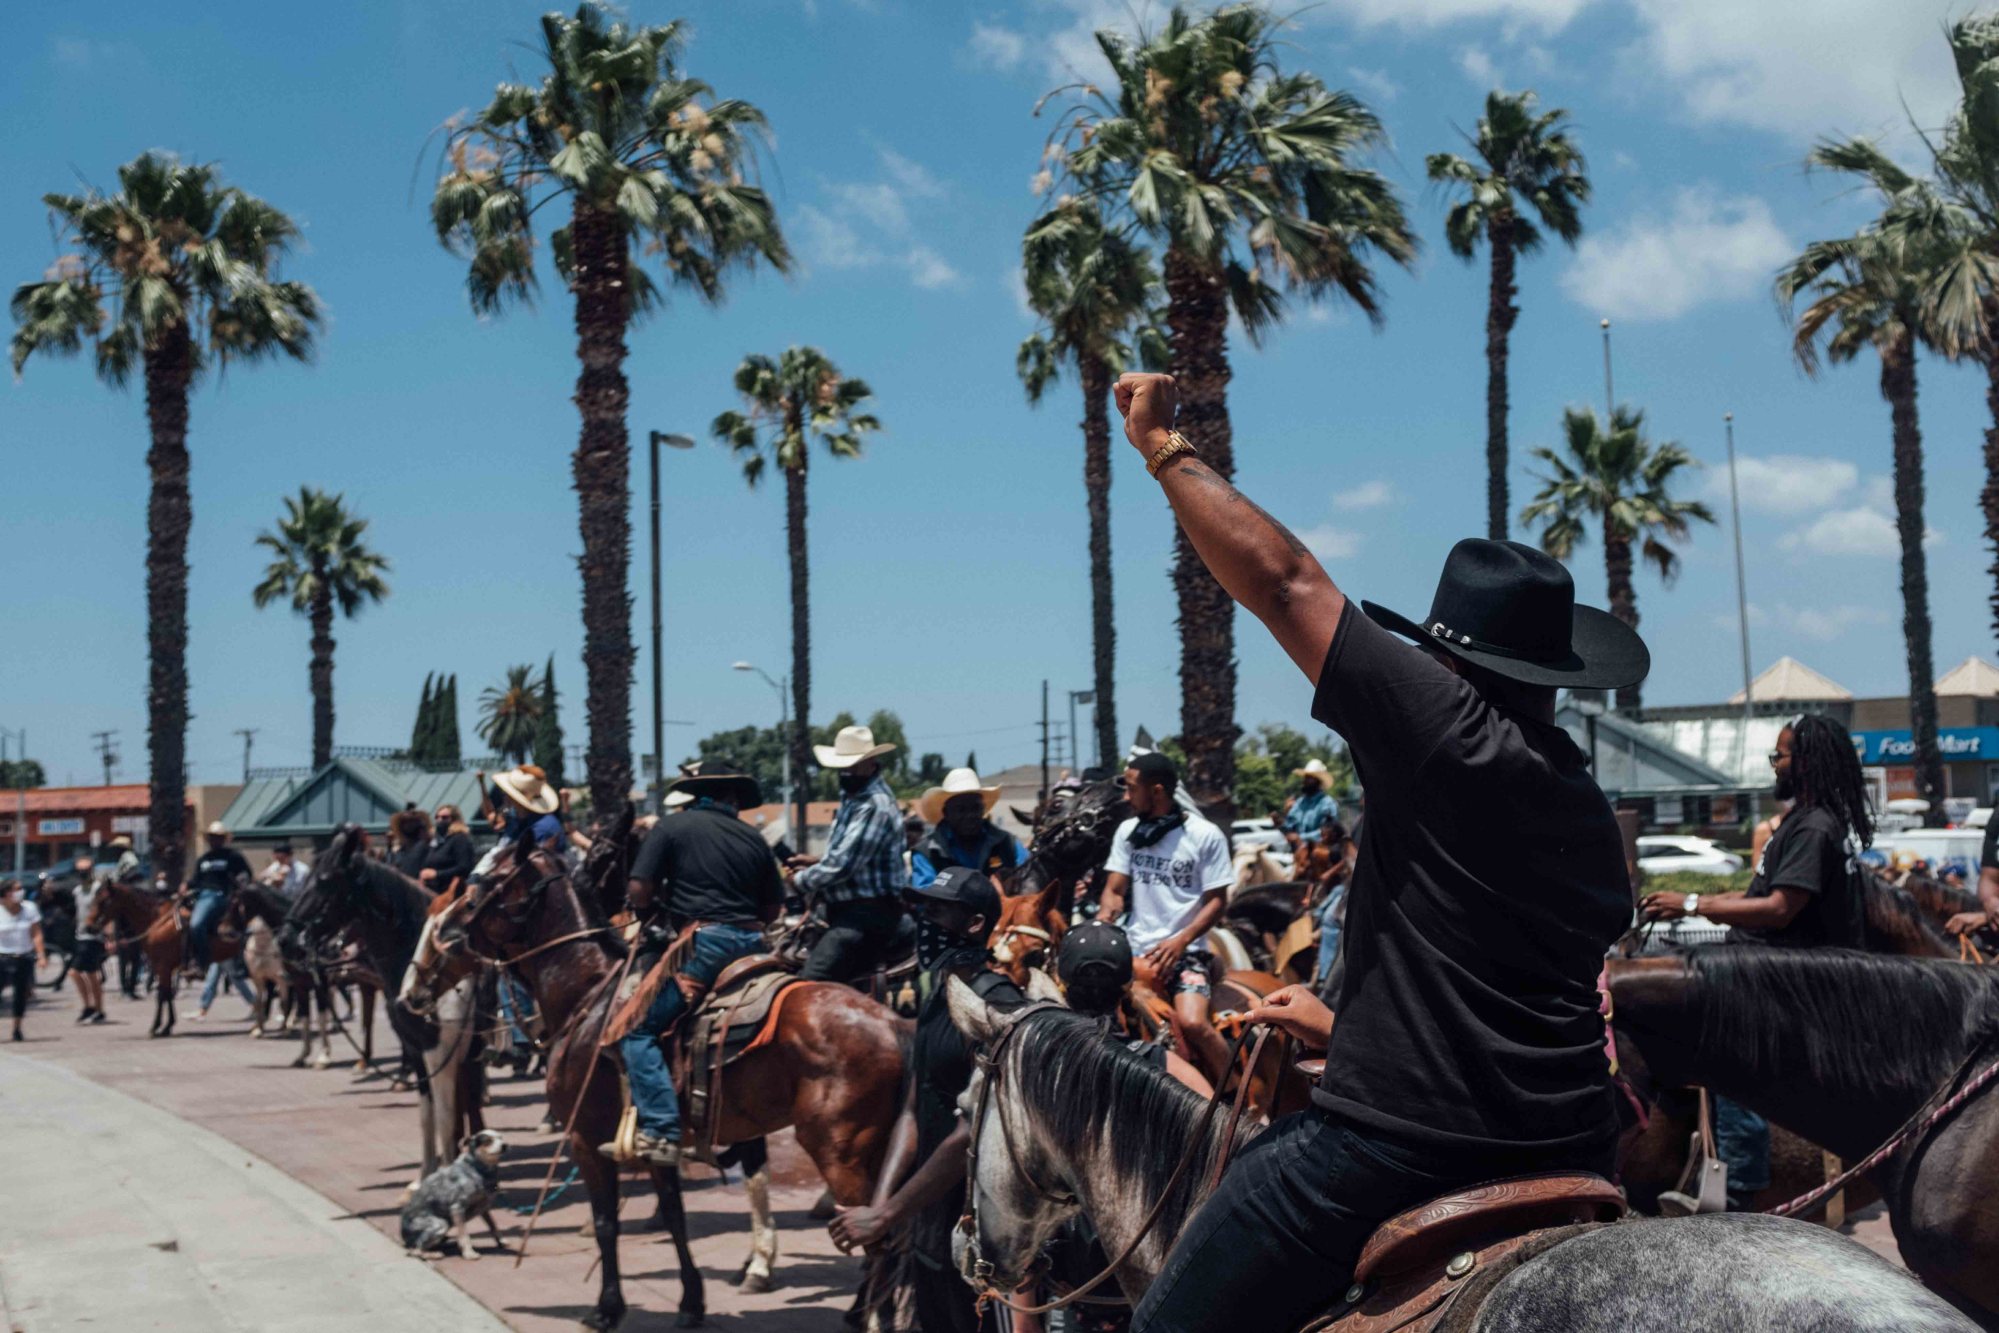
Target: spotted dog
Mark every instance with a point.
(445, 1203)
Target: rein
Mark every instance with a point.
(993, 1064)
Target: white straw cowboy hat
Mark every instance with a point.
(852, 746)
(958, 782)
(528, 787)
(218, 827)
(1314, 768)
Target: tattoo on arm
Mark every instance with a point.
(1196, 470)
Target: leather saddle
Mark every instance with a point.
(737, 1015)
(1429, 1267)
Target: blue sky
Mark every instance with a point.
(949, 565)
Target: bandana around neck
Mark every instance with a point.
(1150, 831)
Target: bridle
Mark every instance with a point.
(1002, 947)
(517, 917)
(992, 1064)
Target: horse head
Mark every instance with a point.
(1076, 825)
(1029, 930)
(333, 895)
(607, 865)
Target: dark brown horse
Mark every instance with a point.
(1844, 1048)
(832, 1069)
(122, 912)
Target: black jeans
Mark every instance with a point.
(858, 938)
(1277, 1242)
(18, 970)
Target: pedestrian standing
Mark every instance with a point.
(409, 840)
(21, 947)
(450, 857)
(86, 965)
(861, 877)
(285, 875)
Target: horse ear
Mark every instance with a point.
(979, 1021)
(1026, 817)
(1042, 989)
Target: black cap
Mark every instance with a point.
(1094, 947)
(962, 884)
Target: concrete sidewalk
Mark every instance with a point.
(122, 1216)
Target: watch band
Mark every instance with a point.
(1176, 443)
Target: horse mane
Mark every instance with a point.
(1087, 1092)
(1846, 1019)
(407, 900)
(263, 902)
(1886, 905)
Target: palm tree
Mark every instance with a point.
(319, 561)
(1247, 176)
(790, 401)
(653, 165)
(172, 275)
(510, 714)
(1878, 289)
(1092, 289)
(1623, 482)
(1527, 167)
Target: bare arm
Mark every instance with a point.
(1110, 904)
(1966, 923)
(1255, 558)
(1733, 909)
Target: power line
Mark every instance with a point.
(110, 758)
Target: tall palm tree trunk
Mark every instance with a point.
(322, 673)
(602, 469)
(169, 515)
(801, 643)
(1898, 386)
(1623, 596)
(1197, 319)
(1988, 498)
(1499, 316)
(1096, 377)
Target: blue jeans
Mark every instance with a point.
(712, 949)
(1742, 1138)
(516, 1007)
(208, 905)
(238, 976)
(1329, 935)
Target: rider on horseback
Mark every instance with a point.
(218, 873)
(720, 885)
(1489, 885)
(961, 834)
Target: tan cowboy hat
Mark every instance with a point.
(218, 827)
(123, 842)
(852, 746)
(1314, 768)
(958, 782)
(528, 786)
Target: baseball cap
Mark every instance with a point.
(1094, 947)
(962, 884)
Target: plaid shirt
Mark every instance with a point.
(864, 852)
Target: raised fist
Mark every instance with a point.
(1148, 403)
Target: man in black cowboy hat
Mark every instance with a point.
(1488, 887)
(706, 869)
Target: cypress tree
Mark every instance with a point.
(447, 751)
(548, 730)
(420, 733)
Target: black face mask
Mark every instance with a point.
(1152, 830)
(937, 947)
(852, 783)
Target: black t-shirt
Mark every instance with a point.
(1810, 852)
(942, 1059)
(713, 866)
(1487, 888)
(218, 869)
(451, 857)
(1988, 855)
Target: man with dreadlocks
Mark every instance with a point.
(1806, 891)
(1805, 894)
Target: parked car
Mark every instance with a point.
(1258, 833)
(1664, 853)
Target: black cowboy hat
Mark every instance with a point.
(1512, 610)
(721, 784)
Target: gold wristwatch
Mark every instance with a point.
(1176, 443)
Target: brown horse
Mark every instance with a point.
(832, 1069)
(1846, 1049)
(126, 913)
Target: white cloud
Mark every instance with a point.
(1367, 495)
(1374, 82)
(1710, 248)
(1785, 483)
(1864, 531)
(994, 47)
(867, 224)
(1545, 15)
(1478, 66)
(1330, 543)
(1836, 66)
(1833, 621)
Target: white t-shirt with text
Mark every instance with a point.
(17, 934)
(1169, 878)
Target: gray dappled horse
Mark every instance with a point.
(1085, 1116)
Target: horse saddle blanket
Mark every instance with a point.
(1426, 1270)
(739, 1015)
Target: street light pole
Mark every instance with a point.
(1609, 399)
(658, 786)
(781, 685)
(1741, 601)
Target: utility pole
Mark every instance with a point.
(1044, 740)
(1741, 602)
(1609, 399)
(104, 739)
(246, 733)
(20, 738)
(657, 790)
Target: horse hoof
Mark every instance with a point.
(756, 1284)
(323, 1062)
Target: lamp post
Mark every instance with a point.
(1609, 402)
(784, 731)
(20, 739)
(658, 438)
(1741, 603)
